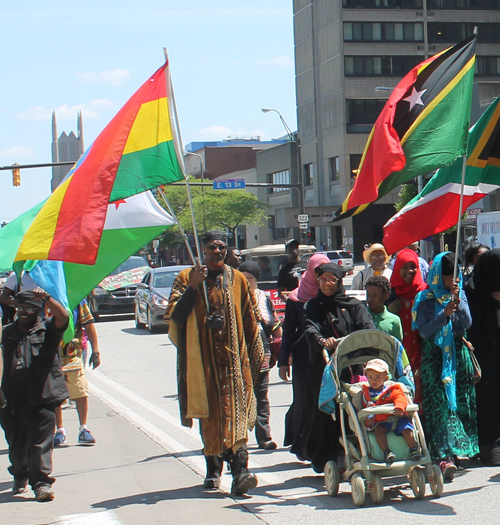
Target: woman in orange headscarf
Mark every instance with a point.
(407, 282)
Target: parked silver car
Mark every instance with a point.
(342, 258)
(151, 299)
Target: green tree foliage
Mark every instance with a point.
(405, 195)
(213, 210)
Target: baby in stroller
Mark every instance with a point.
(377, 393)
(372, 456)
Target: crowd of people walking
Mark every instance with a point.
(229, 336)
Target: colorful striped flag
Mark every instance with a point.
(136, 151)
(130, 224)
(422, 127)
(435, 209)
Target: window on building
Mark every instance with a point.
(462, 4)
(364, 111)
(280, 177)
(387, 66)
(453, 32)
(383, 31)
(400, 4)
(354, 160)
(308, 174)
(487, 66)
(334, 168)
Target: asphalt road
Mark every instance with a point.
(143, 454)
(137, 379)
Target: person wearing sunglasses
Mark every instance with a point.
(330, 316)
(33, 385)
(214, 324)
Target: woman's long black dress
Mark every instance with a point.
(327, 316)
(294, 344)
(484, 334)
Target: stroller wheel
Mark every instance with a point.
(377, 490)
(417, 481)
(436, 482)
(358, 489)
(332, 478)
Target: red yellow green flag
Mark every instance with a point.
(136, 151)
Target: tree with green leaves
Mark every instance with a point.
(213, 209)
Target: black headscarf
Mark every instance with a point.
(250, 267)
(484, 281)
(339, 298)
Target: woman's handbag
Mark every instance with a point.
(476, 377)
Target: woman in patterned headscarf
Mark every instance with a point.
(442, 315)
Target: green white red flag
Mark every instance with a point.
(435, 209)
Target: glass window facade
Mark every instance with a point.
(454, 32)
(280, 177)
(387, 66)
(371, 4)
(383, 32)
(334, 168)
(364, 111)
(308, 174)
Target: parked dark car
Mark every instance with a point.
(152, 297)
(115, 294)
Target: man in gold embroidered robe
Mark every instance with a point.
(219, 357)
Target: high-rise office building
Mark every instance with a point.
(348, 56)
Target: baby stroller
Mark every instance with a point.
(365, 465)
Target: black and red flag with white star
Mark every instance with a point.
(423, 126)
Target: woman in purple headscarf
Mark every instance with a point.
(294, 344)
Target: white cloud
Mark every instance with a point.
(113, 78)
(18, 153)
(280, 61)
(90, 110)
(214, 133)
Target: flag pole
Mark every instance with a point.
(177, 141)
(460, 212)
(460, 208)
(181, 229)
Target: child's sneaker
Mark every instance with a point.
(415, 455)
(390, 457)
(59, 438)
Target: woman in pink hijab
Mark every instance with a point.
(294, 344)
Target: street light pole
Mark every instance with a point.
(203, 181)
(295, 140)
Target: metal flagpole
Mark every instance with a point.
(181, 229)
(460, 211)
(177, 141)
(176, 135)
(186, 240)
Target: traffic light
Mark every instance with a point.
(16, 176)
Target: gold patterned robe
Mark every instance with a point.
(217, 369)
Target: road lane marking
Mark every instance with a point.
(107, 517)
(160, 412)
(196, 463)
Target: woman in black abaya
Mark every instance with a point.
(483, 294)
(331, 315)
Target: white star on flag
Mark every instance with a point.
(415, 97)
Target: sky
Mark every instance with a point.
(228, 59)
